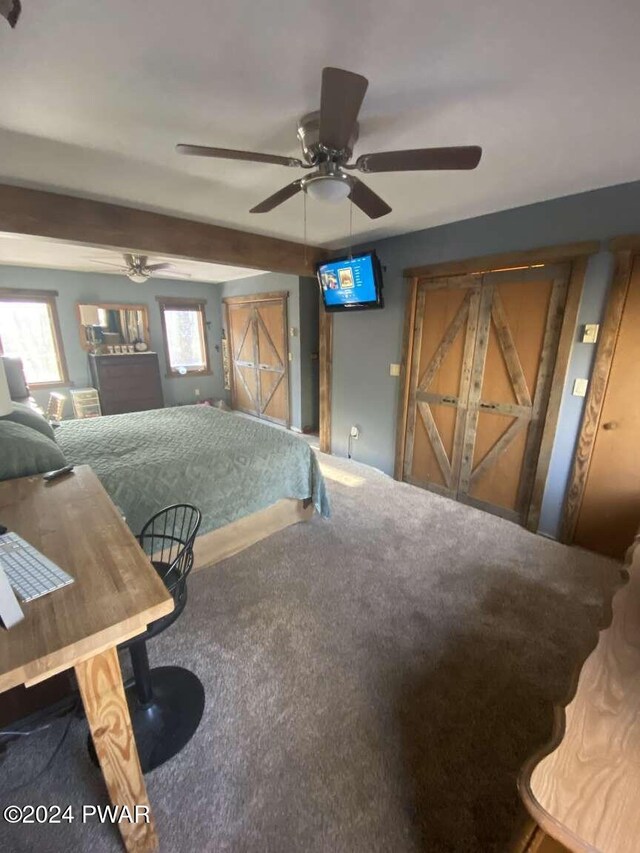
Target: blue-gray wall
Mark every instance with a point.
(366, 343)
(74, 287)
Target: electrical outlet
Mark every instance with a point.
(197, 392)
(355, 432)
(394, 370)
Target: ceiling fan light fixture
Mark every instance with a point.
(137, 277)
(328, 188)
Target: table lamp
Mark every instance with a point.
(6, 404)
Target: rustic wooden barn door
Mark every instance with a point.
(517, 338)
(257, 330)
(272, 359)
(483, 355)
(444, 341)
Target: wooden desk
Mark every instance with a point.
(584, 790)
(116, 594)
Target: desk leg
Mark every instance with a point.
(105, 705)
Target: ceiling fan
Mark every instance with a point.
(327, 138)
(138, 269)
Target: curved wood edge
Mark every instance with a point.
(595, 397)
(539, 814)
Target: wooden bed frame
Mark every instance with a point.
(226, 541)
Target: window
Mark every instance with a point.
(185, 339)
(29, 328)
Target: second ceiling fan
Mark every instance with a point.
(327, 138)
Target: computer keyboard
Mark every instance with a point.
(29, 572)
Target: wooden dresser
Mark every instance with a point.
(127, 383)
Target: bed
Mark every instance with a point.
(247, 478)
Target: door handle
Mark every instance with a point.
(610, 425)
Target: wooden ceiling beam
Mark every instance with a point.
(127, 229)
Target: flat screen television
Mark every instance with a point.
(351, 284)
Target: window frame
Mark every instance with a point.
(48, 298)
(181, 303)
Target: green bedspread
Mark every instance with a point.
(228, 466)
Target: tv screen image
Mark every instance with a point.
(353, 283)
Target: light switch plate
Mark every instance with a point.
(394, 370)
(580, 388)
(590, 335)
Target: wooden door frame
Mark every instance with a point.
(325, 356)
(272, 296)
(577, 255)
(626, 250)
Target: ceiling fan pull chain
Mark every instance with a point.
(350, 230)
(304, 207)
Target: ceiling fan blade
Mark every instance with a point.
(172, 273)
(157, 267)
(232, 154)
(104, 263)
(277, 198)
(368, 201)
(340, 102)
(418, 159)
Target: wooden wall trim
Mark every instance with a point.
(565, 344)
(405, 362)
(326, 373)
(596, 394)
(194, 301)
(626, 242)
(258, 297)
(128, 229)
(487, 263)
(17, 294)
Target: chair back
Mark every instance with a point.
(55, 406)
(167, 539)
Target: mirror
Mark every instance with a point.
(103, 327)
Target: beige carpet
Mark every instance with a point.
(373, 683)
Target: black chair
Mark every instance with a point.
(165, 703)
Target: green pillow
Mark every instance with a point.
(25, 451)
(23, 414)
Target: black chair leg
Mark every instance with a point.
(141, 672)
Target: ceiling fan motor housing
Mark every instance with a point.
(312, 151)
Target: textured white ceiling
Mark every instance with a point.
(23, 251)
(95, 94)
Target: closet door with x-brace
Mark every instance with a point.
(483, 355)
(257, 329)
